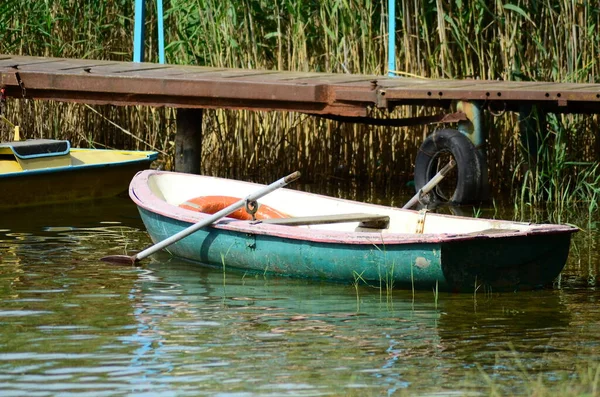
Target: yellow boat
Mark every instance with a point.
(46, 171)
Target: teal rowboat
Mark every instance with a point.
(339, 240)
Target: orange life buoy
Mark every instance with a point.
(214, 204)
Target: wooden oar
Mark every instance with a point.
(131, 260)
(437, 178)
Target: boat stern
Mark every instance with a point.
(505, 264)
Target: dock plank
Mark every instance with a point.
(127, 83)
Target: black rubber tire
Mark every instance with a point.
(469, 180)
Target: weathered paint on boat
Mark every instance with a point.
(264, 253)
(75, 175)
(458, 266)
(509, 260)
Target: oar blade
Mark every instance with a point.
(120, 260)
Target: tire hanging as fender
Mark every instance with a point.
(469, 180)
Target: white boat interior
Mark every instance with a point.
(176, 189)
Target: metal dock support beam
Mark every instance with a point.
(391, 38)
(161, 31)
(474, 129)
(139, 31)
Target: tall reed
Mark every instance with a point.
(516, 40)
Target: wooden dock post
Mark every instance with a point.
(188, 141)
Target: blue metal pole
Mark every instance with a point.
(138, 31)
(161, 31)
(391, 37)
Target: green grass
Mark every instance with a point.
(553, 181)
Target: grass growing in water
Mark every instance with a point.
(555, 182)
(358, 279)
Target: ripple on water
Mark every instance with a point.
(74, 325)
(22, 313)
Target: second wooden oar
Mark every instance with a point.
(437, 178)
(125, 259)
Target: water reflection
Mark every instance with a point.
(486, 331)
(306, 330)
(287, 335)
(61, 312)
(35, 220)
(73, 324)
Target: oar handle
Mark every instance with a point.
(217, 215)
(437, 178)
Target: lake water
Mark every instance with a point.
(73, 325)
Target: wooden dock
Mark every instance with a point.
(344, 97)
(127, 83)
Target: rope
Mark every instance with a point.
(416, 76)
